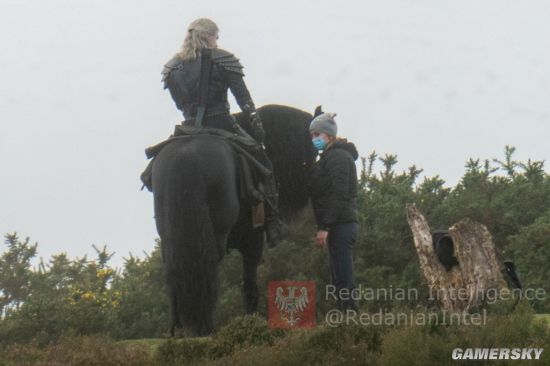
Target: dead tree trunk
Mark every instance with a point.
(465, 285)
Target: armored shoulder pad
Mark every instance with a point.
(174, 63)
(227, 60)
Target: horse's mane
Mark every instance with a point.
(289, 148)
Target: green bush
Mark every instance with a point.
(243, 331)
(530, 249)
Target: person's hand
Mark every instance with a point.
(257, 127)
(321, 238)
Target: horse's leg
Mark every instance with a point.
(170, 290)
(224, 211)
(174, 321)
(251, 251)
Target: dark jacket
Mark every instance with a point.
(333, 185)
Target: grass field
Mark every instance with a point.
(151, 343)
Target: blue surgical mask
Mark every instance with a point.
(319, 143)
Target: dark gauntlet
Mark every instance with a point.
(257, 127)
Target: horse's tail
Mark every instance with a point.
(190, 252)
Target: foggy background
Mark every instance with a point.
(435, 82)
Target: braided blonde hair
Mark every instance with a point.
(197, 37)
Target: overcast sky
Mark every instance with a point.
(435, 82)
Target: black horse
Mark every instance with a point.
(198, 213)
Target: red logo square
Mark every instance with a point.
(291, 304)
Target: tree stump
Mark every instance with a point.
(464, 286)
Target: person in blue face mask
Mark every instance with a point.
(333, 189)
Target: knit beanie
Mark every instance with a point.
(324, 123)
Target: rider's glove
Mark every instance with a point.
(257, 127)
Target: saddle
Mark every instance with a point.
(249, 168)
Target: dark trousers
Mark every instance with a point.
(341, 240)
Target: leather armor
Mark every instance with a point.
(181, 78)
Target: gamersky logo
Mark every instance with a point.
(291, 304)
(497, 353)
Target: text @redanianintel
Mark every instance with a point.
(336, 317)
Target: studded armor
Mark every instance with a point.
(181, 78)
